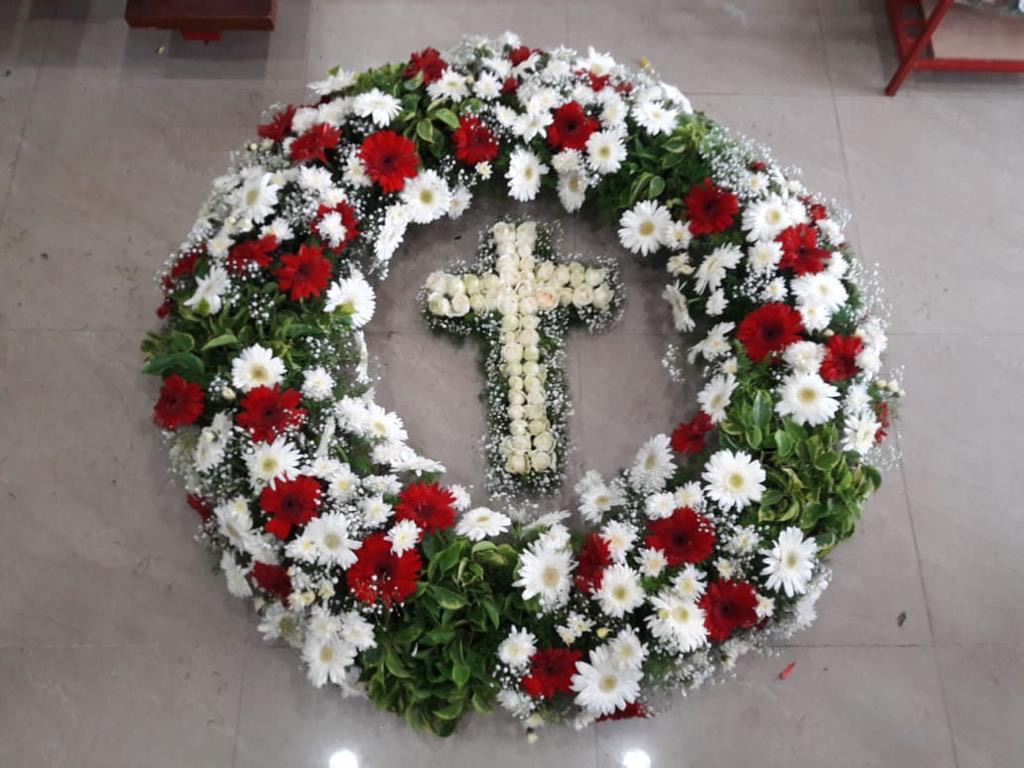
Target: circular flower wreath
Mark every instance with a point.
(711, 543)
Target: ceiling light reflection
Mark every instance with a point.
(343, 758)
(635, 758)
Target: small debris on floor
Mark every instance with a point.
(787, 671)
(901, 618)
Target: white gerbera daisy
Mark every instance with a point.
(355, 172)
(342, 483)
(606, 151)
(804, 356)
(210, 289)
(620, 537)
(716, 395)
(524, 175)
(714, 345)
(627, 649)
(354, 297)
(859, 432)
(383, 425)
(238, 585)
(660, 505)
(327, 659)
(375, 511)
(764, 257)
(653, 465)
(807, 399)
(329, 534)
(545, 572)
(487, 86)
(403, 536)
(256, 198)
(620, 590)
(380, 107)
(678, 621)
(690, 495)
(572, 190)
(256, 366)
(426, 197)
(714, 266)
(821, 290)
(654, 117)
(235, 523)
(280, 228)
(481, 523)
(735, 479)
(451, 85)
(765, 219)
(681, 318)
(357, 631)
(338, 81)
(604, 686)
(317, 384)
(598, 498)
(270, 462)
(678, 238)
(460, 202)
(790, 563)
(516, 649)
(643, 228)
(689, 583)
(652, 562)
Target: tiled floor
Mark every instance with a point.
(118, 648)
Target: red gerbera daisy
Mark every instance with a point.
(305, 273)
(709, 208)
(474, 143)
(390, 159)
(840, 361)
(598, 82)
(314, 143)
(800, 251)
(728, 605)
(201, 507)
(380, 574)
(290, 503)
(551, 671)
(594, 558)
(769, 328)
(348, 221)
(518, 55)
(429, 62)
(180, 403)
(279, 126)
(688, 437)
(165, 309)
(684, 537)
(510, 85)
(273, 579)
(428, 505)
(266, 412)
(185, 264)
(632, 710)
(251, 252)
(882, 414)
(818, 211)
(571, 127)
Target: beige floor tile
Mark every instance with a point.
(984, 688)
(99, 540)
(960, 435)
(153, 706)
(285, 721)
(840, 707)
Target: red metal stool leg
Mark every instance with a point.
(910, 60)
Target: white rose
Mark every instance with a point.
(583, 296)
(520, 443)
(478, 303)
(529, 322)
(527, 230)
(524, 248)
(460, 305)
(510, 323)
(530, 384)
(538, 426)
(516, 382)
(545, 299)
(528, 338)
(544, 442)
(517, 427)
(516, 411)
(509, 305)
(516, 398)
(535, 398)
(595, 276)
(503, 232)
(561, 276)
(577, 273)
(534, 412)
(528, 306)
(565, 296)
(524, 289)
(531, 368)
(545, 271)
(436, 282)
(492, 301)
(513, 369)
(491, 282)
(512, 353)
(531, 353)
(603, 296)
(471, 283)
(541, 461)
(453, 285)
(516, 463)
(438, 304)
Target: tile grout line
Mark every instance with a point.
(238, 711)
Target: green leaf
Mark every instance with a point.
(448, 557)
(425, 130)
(447, 117)
(184, 363)
(452, 712)
(491, 608)
(762, 409)
(827, 461)
(656, 187)
(783, 443)
(220, 341)
(394, 664)
(461, 674)
(447, 599)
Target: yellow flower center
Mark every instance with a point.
(647, 228)
(550, 577)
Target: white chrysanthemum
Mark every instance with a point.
(391, 235)
(572, 190)
(654, 117)
(744, 540)
(765, 607)
(380, 107)
(734, 479)
(807, 399)
(653, 465)
(857, 398)
(481, 523)
(354, 297)
(603, 685)
(234, 522)
(678, 621)
(804, 356)
(516, 702)
(576, 625)
(620, 590)
(606, 151)
(280, 228)
(462, 498)
(764, 257)
(234, 575)
(524, 175)
(330, 536)
(317, 384)
(598, 498)
(716, 395)
(487, 86)
(790, 563)
(451, 85)
(531, 124)
(660, 505)
(726, 567)
(375, 511)
(338, 81)
(627, 649)
(681, 317)
(277, 623)
(859, 432)
(516, 649)
(652, 562)
(210, 289)
(357, 631)
(212, 443)
(383, 425)
(460, 202)
(620, 537)
(712, 269)
(403, 536)
(765, 219)
(256, 366)
(716, 303)
(689, 583)
(690, 495)
(327, 659)
(342, 483)
(355, 172)
(256, 198)
(643, 228)
(426, 197)
(545, 572)
(775, 290)
(819, 290)
(678, 238)
(270, 462)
